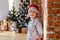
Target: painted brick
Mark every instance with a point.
(58, 0)
(52, 23)
(39, 2)
(52, 11)
(58, 11)
(34, 1)
(58, 35)
(52, 0)
(51, 29)
(52, 5)
(58, 5)
(57, 29)
(52, 35)
(58, 23)
(51, 18)
(58, 18)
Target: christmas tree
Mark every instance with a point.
(12, 15)
(21, 16)
(23, 11)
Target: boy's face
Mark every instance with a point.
(33, 14)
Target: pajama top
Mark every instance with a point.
(31, 34)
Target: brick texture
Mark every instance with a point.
(53, 19)
(52, 0)
(52, 5)
(52, 11)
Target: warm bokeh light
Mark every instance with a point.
(10, 4)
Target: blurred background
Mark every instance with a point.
(14, 26)
(14, 18)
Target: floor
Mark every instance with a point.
(12, 36)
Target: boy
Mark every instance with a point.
(34, 25)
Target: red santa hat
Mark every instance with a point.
(33, 8)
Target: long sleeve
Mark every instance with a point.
(39, 27)
(32, 35)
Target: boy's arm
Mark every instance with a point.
(39, 28)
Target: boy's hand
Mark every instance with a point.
(37, 38)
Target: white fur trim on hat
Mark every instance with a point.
(31, 9)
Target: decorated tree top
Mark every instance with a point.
(12, 15)
(21, 16)
(23, 11)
